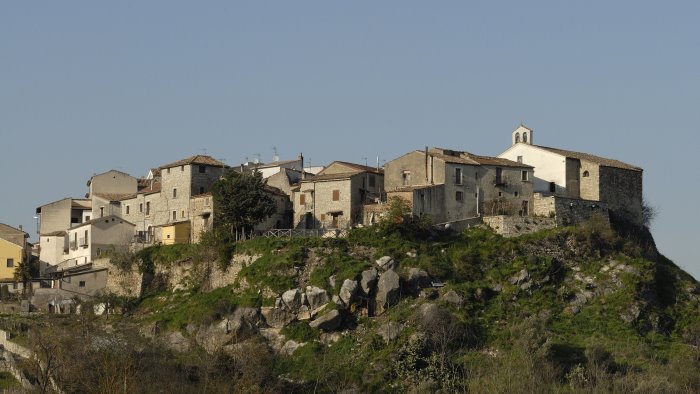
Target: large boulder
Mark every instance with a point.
(329, 321)
(348, 291)
(243, 322)
(453, 298)
(386, 263)
(519, 278)
(388, 290)
(177, 342)
(316, 297)
(277, 318)
(390, 331)
(368, 281)
(417, 279)
(292, 299)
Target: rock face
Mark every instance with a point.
(277, 318)
(453, 298)
(390, 331)
(316, 297)
(417, 279)
(244, 322)
(292, 299)
(177, 342)
(368, 281)
(520, 277)
(386, 263)
(327, 322)
(348, 291)
(388, 290)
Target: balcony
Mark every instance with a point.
(73, 245)
(500, 181)
(83, 243)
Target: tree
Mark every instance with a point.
(241, 201)
(27, 269)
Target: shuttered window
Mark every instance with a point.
(336, 195)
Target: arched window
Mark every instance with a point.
(586, 174)
(517, 137)
(525, 138)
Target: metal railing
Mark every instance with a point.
(320, 232)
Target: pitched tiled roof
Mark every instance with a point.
(106, 218)
(54, 234)
(462, 157)
(359, 167)
(592, 158)
(115, 196)
(197, 159)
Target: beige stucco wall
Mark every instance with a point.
(549, 166)
(113, 182)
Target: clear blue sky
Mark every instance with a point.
(88, 86)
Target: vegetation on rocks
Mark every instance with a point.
(580, 309)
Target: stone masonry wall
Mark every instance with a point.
(512, 226)
(568, 211)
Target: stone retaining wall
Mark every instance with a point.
(512, 226)
(568, 211)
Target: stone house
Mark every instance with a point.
(166, 203)
(203, 213)
(13, 250)
(96, 238)
(577, 175)
(111, 182)
(334, 198)
(450, 186)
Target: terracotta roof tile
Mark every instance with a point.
(592, 158)
(197, 159)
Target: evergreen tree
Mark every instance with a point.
(241, 201)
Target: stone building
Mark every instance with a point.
(449, 186)
(334, 198)
(157, 207)
(577, 175)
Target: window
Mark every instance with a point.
(458, 176)
(520, 159)
(302, 199)
(206, 202)
(182, 214)
(174, 193)
(174, 215)
(336, 195)
(500, 194)
(586, 174)
(167, 170)
(525, 138)
(202, 169)
(516, 194)
(141, 207)
(323, 217)
(127, 209)
(459, 196)
(499, 175)
(524, 175)
(201, 190)
(148, 208)
(406, 177)
(372, 181)
(182, 168)
(102, 211)
(81, 283)
(10, 263)
(517, 137)
(87, 218)
(552, 187)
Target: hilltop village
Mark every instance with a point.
(526, 188)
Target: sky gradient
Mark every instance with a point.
(88, 87)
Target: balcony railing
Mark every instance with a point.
(83, 243)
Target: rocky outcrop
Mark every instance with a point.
(329, 321)
(292, 299)
(390, 331)
(453, 298)
(386, 263)
(388, 290)
(316, 297)
(368, 281)
(417, 279)
(348, 291)
(277, 317)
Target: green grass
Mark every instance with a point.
(7, 381)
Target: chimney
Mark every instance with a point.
(303, 172)
(20, 228)
(426, 164)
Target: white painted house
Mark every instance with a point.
(97, 237)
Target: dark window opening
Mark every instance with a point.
(586, 174)
(202, 169)
(459, 196)
(552, 187)
(81, 283)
